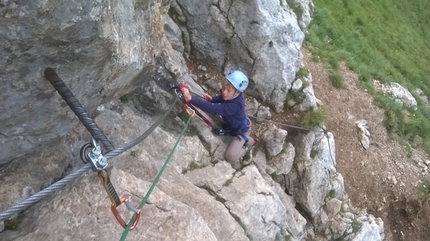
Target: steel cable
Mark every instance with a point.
(21, 206)
(77, 108)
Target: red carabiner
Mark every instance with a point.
(179, 92)
(130, 207)
(182, 86)
(190, 111)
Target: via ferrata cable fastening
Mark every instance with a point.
(189, 108)
(91, 152)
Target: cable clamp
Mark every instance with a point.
(91, 152)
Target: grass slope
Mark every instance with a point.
(385, 40)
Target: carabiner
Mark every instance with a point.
(178, 92)
(131, 208)
(190, 111)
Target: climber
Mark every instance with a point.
(230, 105)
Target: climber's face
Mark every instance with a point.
(228, 91)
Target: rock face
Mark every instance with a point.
(136, 51)
(100, 49)
(264, 43)
(400, 94)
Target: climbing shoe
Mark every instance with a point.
(247, 158)
(221, 131)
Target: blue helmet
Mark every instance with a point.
(238, 80)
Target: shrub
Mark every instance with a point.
(303, 72)
(314, 118)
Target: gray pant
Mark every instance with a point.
(236, 149)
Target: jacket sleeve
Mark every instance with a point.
(217, 99)
(222, 109)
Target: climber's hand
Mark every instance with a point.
(186, 93)
(207, 97)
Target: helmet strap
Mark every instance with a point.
(235, 94)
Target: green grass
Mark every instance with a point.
(386, 40)
(228, 182)
(303, 72)
(277, 178)
(13, 223)
(126, 98)
(424, 190)
(332, 193)
(356, 226)
(283, 236)
(314, 118)
(314, 153)
(295, 7)
(193, 166)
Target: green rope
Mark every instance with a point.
(127, 229)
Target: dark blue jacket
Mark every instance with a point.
(231, 111)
